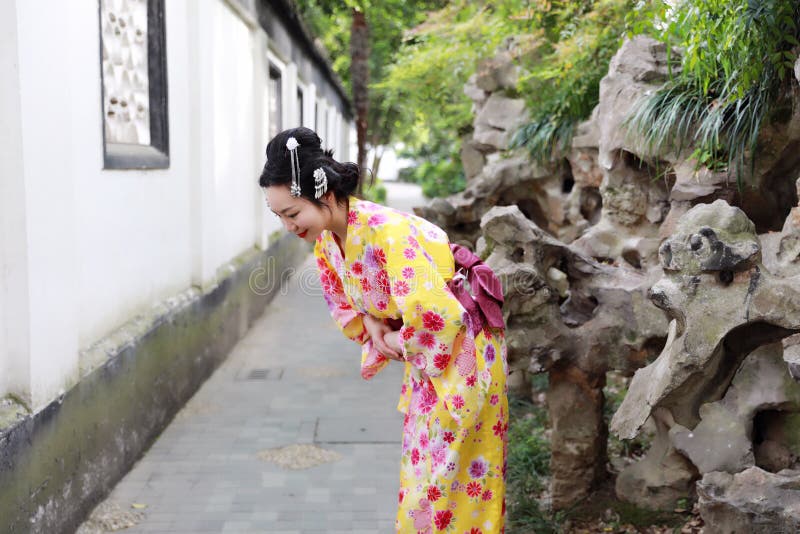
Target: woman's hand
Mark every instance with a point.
(378, 332)
(394, 341)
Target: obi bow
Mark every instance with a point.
(485, 302)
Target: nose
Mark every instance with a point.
(289, 225)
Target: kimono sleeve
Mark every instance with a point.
(435, 337)
(349, 320)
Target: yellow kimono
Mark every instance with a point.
(396, 266)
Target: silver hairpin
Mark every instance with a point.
(294, 161)
(320, 182)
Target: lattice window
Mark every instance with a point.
(134, 84)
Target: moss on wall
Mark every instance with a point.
(56, 465)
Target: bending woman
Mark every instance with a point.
(390, 281)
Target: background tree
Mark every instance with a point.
(363, 38)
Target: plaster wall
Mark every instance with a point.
(83, 250)
(14, 324)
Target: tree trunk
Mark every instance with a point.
(359, 75)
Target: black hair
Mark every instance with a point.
(343, 178)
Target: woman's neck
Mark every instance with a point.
(339, 220)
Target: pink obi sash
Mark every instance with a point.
(484, 299)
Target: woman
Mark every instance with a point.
(389, 280)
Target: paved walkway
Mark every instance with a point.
(293, 379)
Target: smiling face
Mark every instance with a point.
(299, 215)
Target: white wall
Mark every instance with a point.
(14, 320)
(235, 175)
(82, 249)
(53, 128)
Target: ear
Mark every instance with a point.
(329, 199)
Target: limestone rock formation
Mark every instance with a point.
(752, 501)
(576, 319)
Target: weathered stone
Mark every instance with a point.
(575, 406)
(659, 479)
(475, 93)
(722, 441)
(497, 120)
(715, 284)
(498, 72)
(606, 322)
(472, 160)
(753, 501)
(639, 66)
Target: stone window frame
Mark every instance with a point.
(155, 155)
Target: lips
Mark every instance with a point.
(303, 234)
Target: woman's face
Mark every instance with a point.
(298, 215)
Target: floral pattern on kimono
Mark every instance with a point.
(396, 266)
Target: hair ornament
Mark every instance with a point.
(320, 182)
(291, 145)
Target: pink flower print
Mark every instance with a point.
(380, 256)
(330, 282)
(432, 321)
(407, 332)
(489, 354)
(441, 360)
(352, 217)
(401, 288)
(417, 360)
(422, 516)
(409, 253)
(494, 400)
(465, 361)
(474, 489)
(401, 495)
(478, 467)
(321, 264)
(381, 305)
(376, 220)
(498, 428)
(474, 530)
(438, 455)
(449, 437)
(442, 519)
(415, 456)
(413, 241)
(408, 272)
(427, 340)
(427, 399)
(472, 380)
(423, 440)
(434, 493)
(458, 401)
(487, 495)
(382, 282)
(358, 268)
(366, 287)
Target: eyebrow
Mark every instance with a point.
(284, 210)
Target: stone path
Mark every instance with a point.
(293, 379)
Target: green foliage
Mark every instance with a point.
(375, 192)
(439, 170)
(576, 43)
(425, 85)
(528, 465)
(563, 46)
(331, 21)
(733, 70)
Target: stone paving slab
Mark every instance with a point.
(293, 379)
